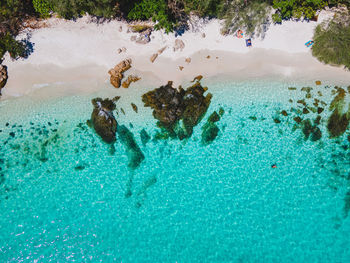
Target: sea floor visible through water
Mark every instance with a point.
(65, 194)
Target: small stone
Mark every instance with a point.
(317, 120)
(197, 78)
(181, 68)
(297, 119)
(208, 57)
(188, 60)
(305, 111)
(214, 117)
(160, 51)
(134, 107)
(276, 120)
(221, 111)
(318, 82)
(253, 118)
(203, 35)
(120, 28)
(316, 134)
(284, 113)
(320, 110)
(153, 57)
(12, 134)
(119, 50)
(79, 167)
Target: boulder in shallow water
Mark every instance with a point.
(102, 119)
(3, 76)
(172, 105)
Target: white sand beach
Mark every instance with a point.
(73, 57)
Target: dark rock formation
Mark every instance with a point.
(117, 72)
(102, 119)
(133, 151)
(178, 111)
(3, 76)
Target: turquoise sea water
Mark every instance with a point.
(63, 191)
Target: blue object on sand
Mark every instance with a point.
(248, 42)
(309, 43)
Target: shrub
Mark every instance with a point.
(287, 9)
(155, 9)
(43, 7)
(16, 48)
(252, 18)
(331, 41)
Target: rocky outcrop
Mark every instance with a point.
(102, 119)
(129, 80)
(3, 76)
(179, 45)
(178, 110)
(117, 72)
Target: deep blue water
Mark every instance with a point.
(63, 191)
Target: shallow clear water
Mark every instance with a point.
(63, 191)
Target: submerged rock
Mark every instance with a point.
(133, 151)
(144, 137)
(210, 130)
(102, 119)
(311, 131)
(117, 72)
(339, 119)
(337, 124)
(3, 76)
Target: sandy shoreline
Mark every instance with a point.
(70, 58)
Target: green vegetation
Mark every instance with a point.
(252, 18)
(74, 8)
(43, 7)
(287, 9)
(15, 48)
(332, 41)
(157, 10)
